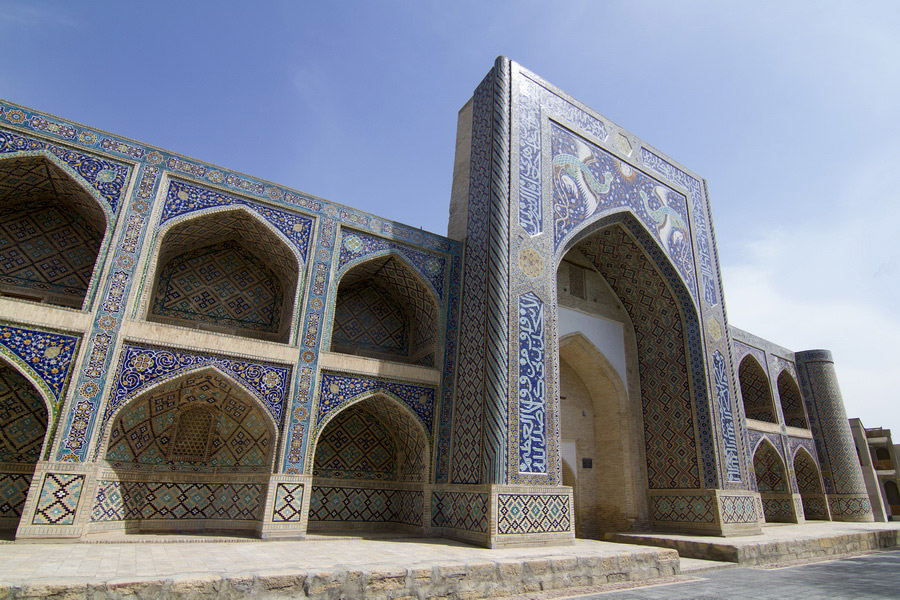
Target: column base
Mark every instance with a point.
(706, 512)
(850, 507)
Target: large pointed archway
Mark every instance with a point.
(663, 318)
(190, 454)
(370, 466)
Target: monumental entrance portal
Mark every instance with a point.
(187, 348)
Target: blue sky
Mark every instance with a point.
(790, 110)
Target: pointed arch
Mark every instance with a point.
(791, 401)
(55, 229)
(394, 413)
(385, 309)
(772, 483)
(226, 269)
(677, 432)
(156, 419)
(25, 426)
(595, 412)
(809, 486)
(755, 391)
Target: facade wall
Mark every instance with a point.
(340, 333)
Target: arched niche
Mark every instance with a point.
(193, 453)
(51, 233)
(596, 415)
(370, 464)
(791, 401)
(772, 483)
(24, 420)
(663, 317)
(755, 391)
(809, 486)
(892, 494)
(385, 310)
(226, 271)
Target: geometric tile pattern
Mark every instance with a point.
(106, 177)
(738, 509)
(849, 506)
(369, 322)
(183, 198)
(13, 491)
(778, 509)
(692, 509)
(222, 283)
(460, 510)
(133, 500)
(23, 418)
(587, 180)
(662, 355)
(355, 445)
(47, 250)
(339, 389)
(384, 307)
(393, 443)
(791, 402)
(59, 499)
(288, 503)
(755, 391)
(356, 245)
(142, 366)
(532, 513)
(769, 469)
(340, 504)
(232, 433)
(809, 486)
(48, 355)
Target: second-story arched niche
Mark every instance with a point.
(226, 271)
(385, 310)
(791, 403)
(755, 391)
(51, 231)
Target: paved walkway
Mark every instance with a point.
(869, 577)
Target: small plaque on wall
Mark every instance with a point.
(587, 463)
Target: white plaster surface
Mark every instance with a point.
(608, 336)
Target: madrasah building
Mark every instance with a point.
(188, 348)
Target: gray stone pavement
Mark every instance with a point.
(867, 577)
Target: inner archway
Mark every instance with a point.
(772, 483)
(189, 455)
(51, 231)
(893, 497)
(226, 271)
(608, 489)
(23, 427)
(370, 465)
(809, 485)
(385, 310)
(755, 392)
(791, 402)
(655, 307)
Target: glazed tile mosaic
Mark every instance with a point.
(209, 303)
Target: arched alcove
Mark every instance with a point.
(791, 402)
(772, 483)
(383, 309)
(51, 232)
(594, 414)
(809, 486)
(226, 271)
(658, 306)
(23, 427)
(755, 391)
(370, 465)
(892, 494)
(192, 454)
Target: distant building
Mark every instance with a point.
(878, 457)
(184, 347)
